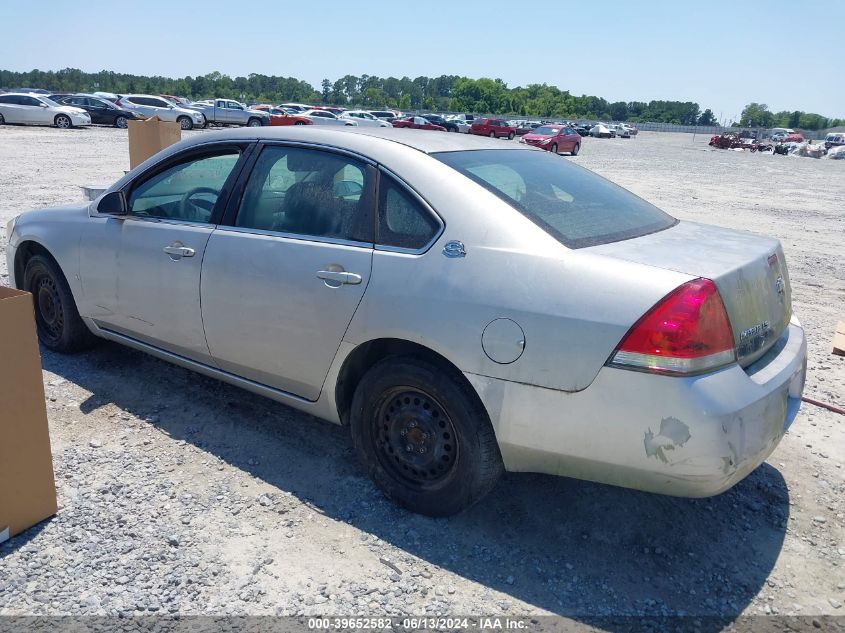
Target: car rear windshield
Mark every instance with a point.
(546, 130)
(574, 205)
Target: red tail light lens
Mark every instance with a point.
(687, 332)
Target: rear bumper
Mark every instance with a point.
(691, 437)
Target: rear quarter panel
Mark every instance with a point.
(574, 307)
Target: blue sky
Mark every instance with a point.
(719, 54)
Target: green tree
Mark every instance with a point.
(756, 115)
(707, 118)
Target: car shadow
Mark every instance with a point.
(568, 547)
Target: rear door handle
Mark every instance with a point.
(339, 277)
(177, 250)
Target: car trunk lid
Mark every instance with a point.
(748, 270)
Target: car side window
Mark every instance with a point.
(310, 193)
(30, 101)
(402, 221)
(187, 191)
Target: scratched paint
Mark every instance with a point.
(672, 433)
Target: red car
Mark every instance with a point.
(418, 123)
(795, 137)
(554, 138)
(280, 117)
(494, 128)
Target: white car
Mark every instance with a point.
(150, 106)
(32, 109)
(324, 117)
(463, 125)
(364, 119)
(620, 130)
(601, 130)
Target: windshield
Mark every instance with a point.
(49, 101)
(546, 130)
(572, 204)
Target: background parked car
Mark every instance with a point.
(600, 130)
(554, 138)
(228, 112)
(834, 139)
(463, 126)
(632, 129)
(36, 109)
(494, 128)
(280, 116)
(324, 117)
(386, 115)
(364, 118)
(102, 111)
(418, 123)
(150, 106)
(298, 107)
(619, 130)
(450, 126)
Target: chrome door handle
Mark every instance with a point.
(339, 277)
(178, 250)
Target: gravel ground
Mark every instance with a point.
(179, 494)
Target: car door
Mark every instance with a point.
(10, 108)
(141, 272)
(33, 110)
(234, 113)
(99, 111)
(284, 275)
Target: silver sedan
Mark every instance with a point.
(464, 306)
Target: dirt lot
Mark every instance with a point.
(181, 494)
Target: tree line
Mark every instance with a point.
(759, 115)
(449, 93)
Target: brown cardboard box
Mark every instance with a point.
(27, 488)
(150, 136)
(839, 339)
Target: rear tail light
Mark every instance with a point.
(687, 332)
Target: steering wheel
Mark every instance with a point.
(190, 209)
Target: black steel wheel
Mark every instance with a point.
(415, 437)
(424, 436)
(59, 326)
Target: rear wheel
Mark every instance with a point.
(253, 122)
(424, 437)
(63, 121)
(185, 122)
(576, 149)
(492, 135)
(121, 122)
(510, 136)
(60, 328)
(553, 148)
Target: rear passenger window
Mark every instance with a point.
(402, 221)
(308, 192)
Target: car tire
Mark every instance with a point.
(510, 136)
(185, 123)
(253, 122)
(553, 148)
(59, 326)
(121, 122)
(575, 149)
(424, 437)
(299, 123)
(492, 135)
(63, 122)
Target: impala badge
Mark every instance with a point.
(454, 249)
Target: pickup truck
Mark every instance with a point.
(227, 112)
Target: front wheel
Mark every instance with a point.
(424, 437)
(553, 148)
(63, 122)
(2, 120)
(492, 135)
(185, 123)
(121, 122)
(60, 328)
(575, 149)
(510, 136)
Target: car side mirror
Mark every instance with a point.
(43, 105)
(113, 203)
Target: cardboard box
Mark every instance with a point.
(150, 136)
(27, 487)
(839, 339)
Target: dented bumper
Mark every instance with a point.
(693, 437)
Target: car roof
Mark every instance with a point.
(363, 140)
